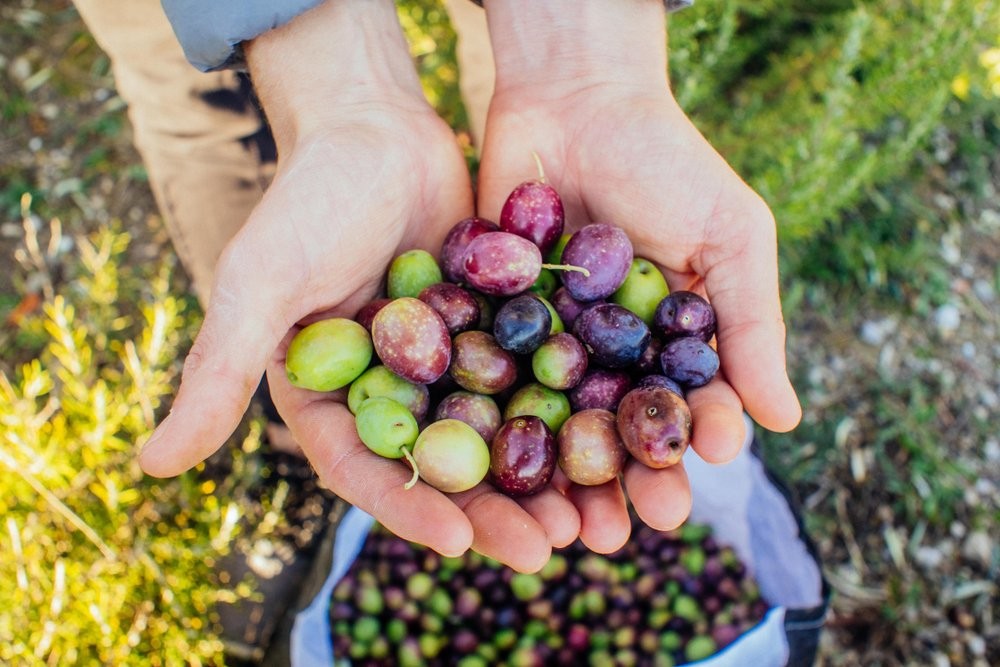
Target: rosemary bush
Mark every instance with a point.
(102, 565)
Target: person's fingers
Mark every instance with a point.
(503, 530)
(661, 498)
(718, 428)
(325, 430)
(555, 513)
(242, 327)
(604, 520)
(741, 278)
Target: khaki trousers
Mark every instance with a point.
(207, 150)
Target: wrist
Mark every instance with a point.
(558, 47)
(334, 63)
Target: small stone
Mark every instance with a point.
(989, 398)
(20, 69)
(887, 357)
(951, 252)
(978, 549)
(35, 144)
(991, 450)
(874, 332)
(929, 558)
(947, 319)
(977, 645)
(969, 349)
(989, 218)
(957, 530)
(944, 202)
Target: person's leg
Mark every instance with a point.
(200, 135)
(475, 63)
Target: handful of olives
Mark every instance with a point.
(518, 350)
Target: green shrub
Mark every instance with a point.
(816, 103)
(102, 565)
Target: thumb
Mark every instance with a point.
(741, 278)
(241, 329)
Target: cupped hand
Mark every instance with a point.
(358, 183)
(629, 156)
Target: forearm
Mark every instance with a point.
(332, 61)
(561, 44)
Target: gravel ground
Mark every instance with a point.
(897, 462)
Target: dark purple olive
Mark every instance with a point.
(649, 362)
(690, 361)
(522, 456)
(567, 307)
(606, 252)
(456, 306)
(601, 389)
(477, 410)
(661, 381)
(682, 314)
(615, 336)
(522, 324)
(368, 312)
(458, 239)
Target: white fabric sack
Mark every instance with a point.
(746, 511)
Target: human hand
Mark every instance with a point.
(366, 171)
(584, 85)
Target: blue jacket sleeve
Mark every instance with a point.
(672, 5)
(211, 31)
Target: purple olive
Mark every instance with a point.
(662, 381)
(600, 389)
(567, 307)
(655, 425)
(455, 243)
(456, 306)
(480, 365)
(606, 252)
(691, 362)
(682, 314)
(614, 336)
(412, 340)
(535, 211)
(477, 410)
(522, 456)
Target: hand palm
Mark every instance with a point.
(341, 207)
(635, 161)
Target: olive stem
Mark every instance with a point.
(538, 163)
(567, 267)
(413, 464)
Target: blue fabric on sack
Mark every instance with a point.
(211, 32)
